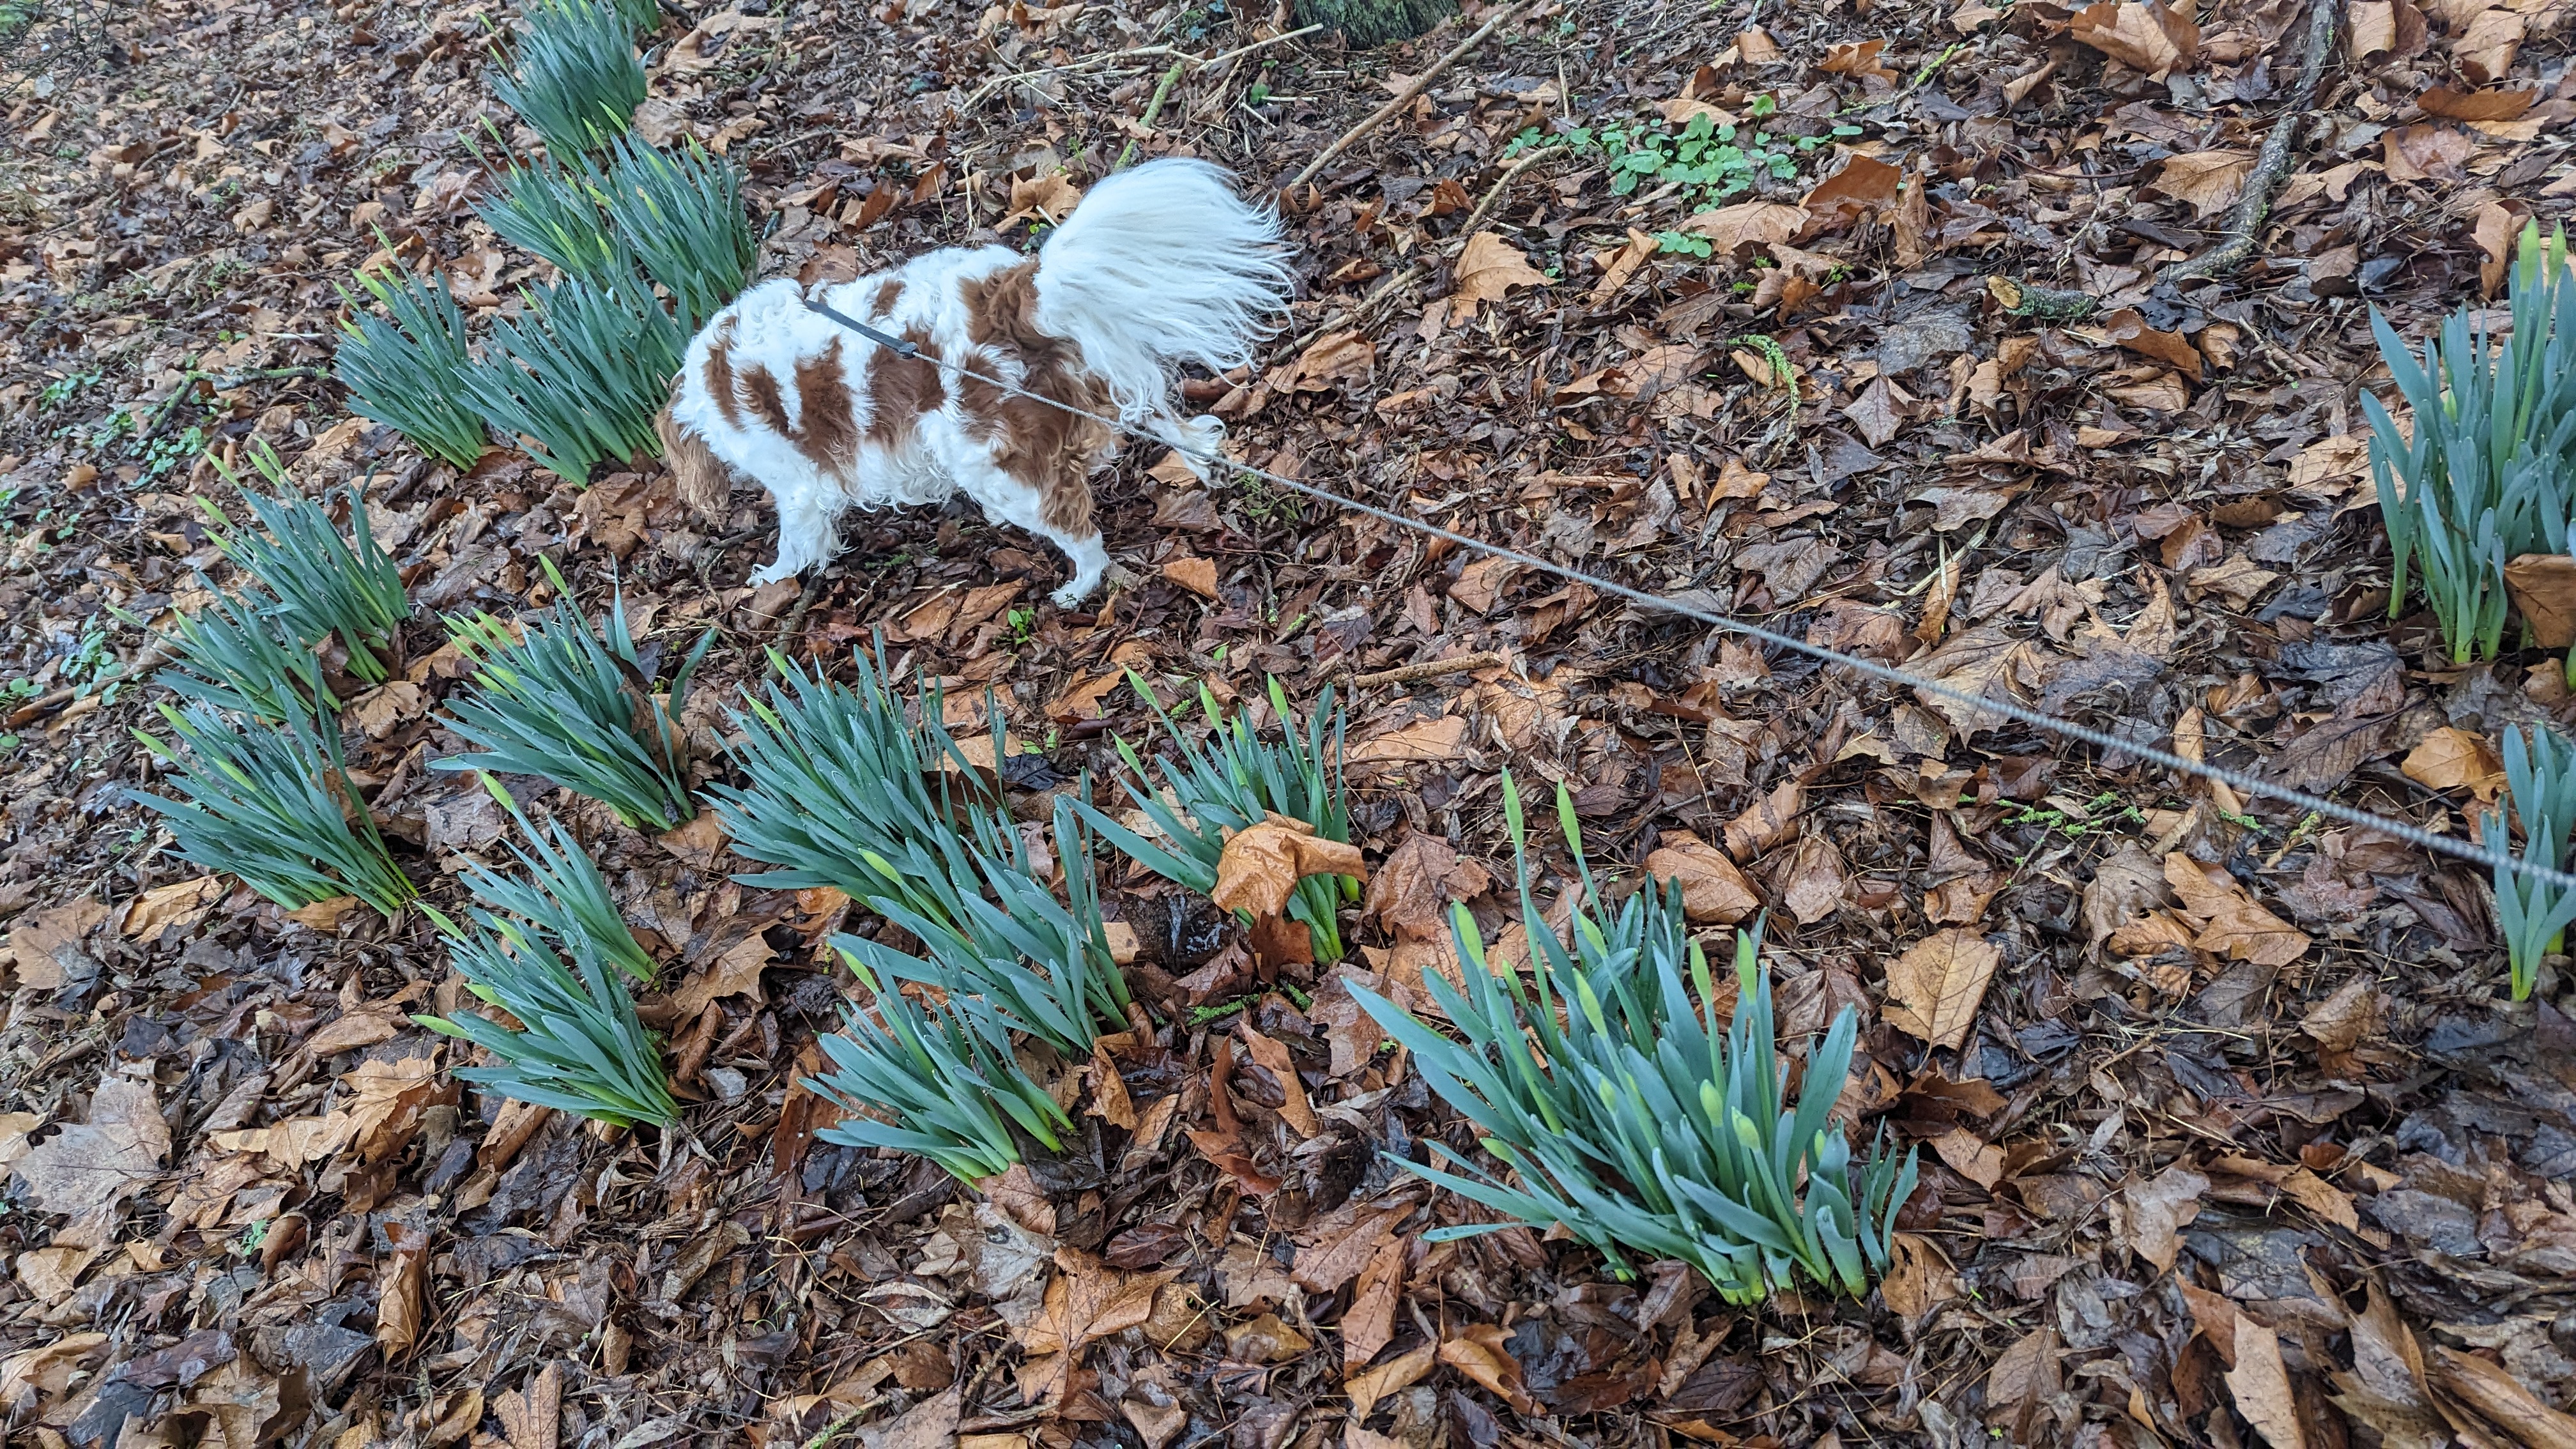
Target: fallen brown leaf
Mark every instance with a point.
(2451, 758)
(1261, 864)
(2148, 1214)
(1935, 988)
(1487, 271)
(1478, 1352)
(2141, 34)
(1393, 1376)
(89, 1166)
(1198, 575)
(2231, 924)
(1713, 890)
(2543, 587)
(2260, 1383)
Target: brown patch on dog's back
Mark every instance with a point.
(1049, 449)
(889, 292)
(760, 389)
(826, 433)
(902, 390)
(719, 375)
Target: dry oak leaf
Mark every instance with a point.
(1713, 890)
(1427, 741)
(2127, 329)
(1860, 61)
(735, 973)
(92, 1165)
(1369, 1323)
(1050, 196)
(2231, 924)
(2543, 586)
(1332, 358)
(2486, 49)
(1273, 1057)
(1261, 864)
(1865, 186)
(180, 903)
(1766, 822)
(1392, 1377)
(2496, 1393)
(1935, 988)
(1477, 1351)
(1812, 886)
(2476, 105)
(2451, 758)
(2260, 1383)
(1487, 271)
(1765, 222)
(2141, 34)
(2209, 180)
(1198, 575)
(1414, 885)
(1087, 1300)
(2148, 1214)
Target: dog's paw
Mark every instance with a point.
(1069, 596)
(775, 573)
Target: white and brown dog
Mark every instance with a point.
(1160, 265)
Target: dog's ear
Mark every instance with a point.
(705, 484)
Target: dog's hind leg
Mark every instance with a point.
(1061, 514)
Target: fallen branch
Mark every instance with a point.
(2245, 223)
(1431, 669)
(1405, 97)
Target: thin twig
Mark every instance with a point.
(2245, 223)
(1405, 97)
(1153, 109)
(1494, 193)
(1431, 669)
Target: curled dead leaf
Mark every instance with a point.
(1261, 864)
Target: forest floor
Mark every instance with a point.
(2229, 1135)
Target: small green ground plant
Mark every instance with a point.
(581, 375)
(234, 654)
(572, 73)
(2488, 473)
(942, 1084)
(562, 898)
(2533, 915)
(549, 207)
(1234, 779)
(572, 1041)
(568, 704)
(326, 585)
(681, 214)
(1708, 161)
(272, 805)
(849, 787)
(407, 369)
(1621, 1108)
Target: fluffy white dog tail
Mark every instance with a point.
(1158, 265)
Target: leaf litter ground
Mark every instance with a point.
(2227, 1138)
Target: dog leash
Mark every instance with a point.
(896, 345)
(2476, 852)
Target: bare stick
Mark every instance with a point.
(1405, 97)
(2245, 223)
(1153, 109)
(1485, 207)
(1431, 669)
